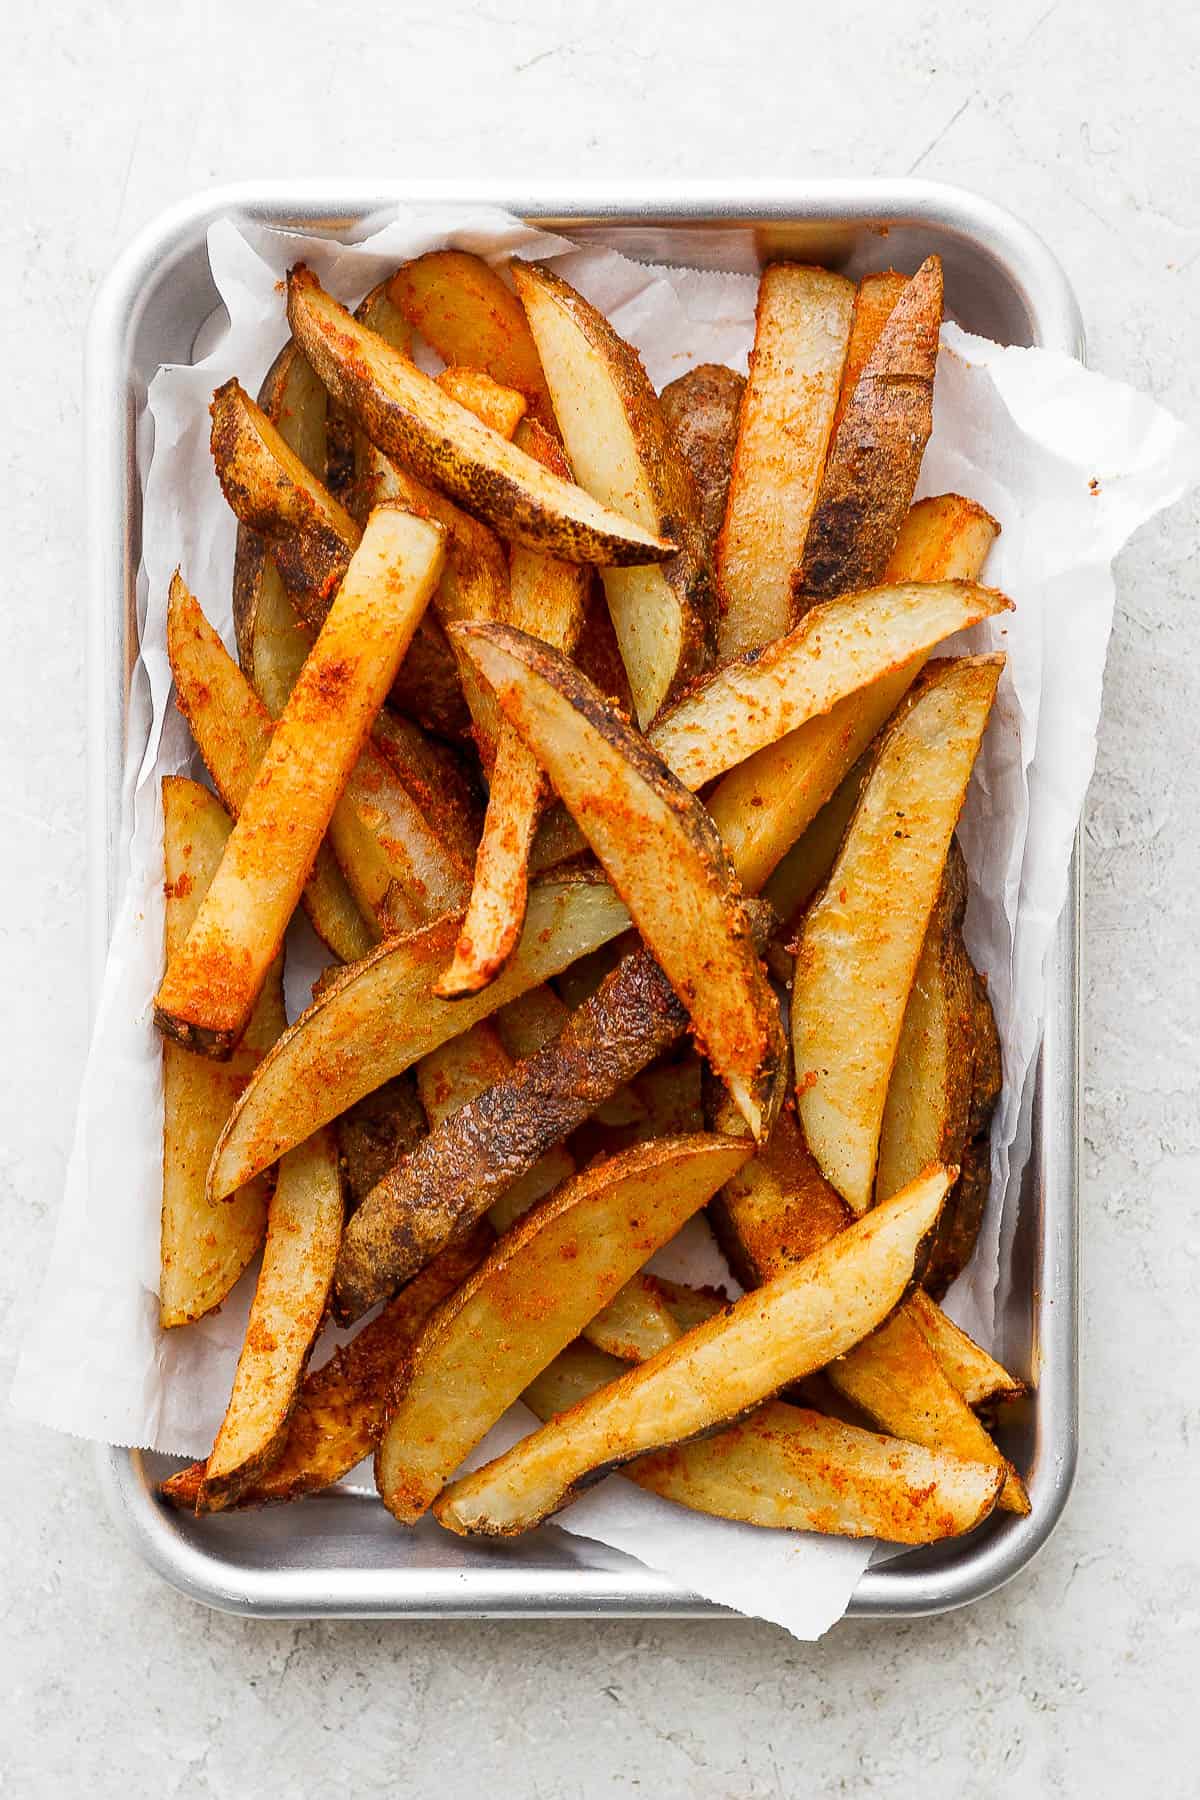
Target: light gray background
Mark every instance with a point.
(1082, 1677)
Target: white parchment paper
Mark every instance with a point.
(1070, 463)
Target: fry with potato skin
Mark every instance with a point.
(407, 415)
(858, 950)
(977, 1376)
(500, 408)
(376, 1019)
(203, 1247)
(340, 1410)
(209, 989)
(554, 1270)
(701, 408)
(874, 304)
(802, 327)
(624, 455)
(660, 849)
(876, 454)
(304, 1226)
(716, 1373)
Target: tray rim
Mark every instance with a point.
(114, 493)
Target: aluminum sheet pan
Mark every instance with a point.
(339, 1555)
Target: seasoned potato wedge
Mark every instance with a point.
(204, 1246)
(658, 845)
(858, 950)
(434, 775)
(791, 1469)
(376, 1132)
(955, 1242)
(805, 869)
(801, 332)
(407, 415)
(526, 1024)
(500, 408)
(304, 1226)
(376, 1019)
(873, 306)
(701, 408)
(763, 805)
(625, 456)
(552, 1272)
(463, 309)
(875, 457)
(210, 987)
(475, 1155)
(232, 729)
(636, 1323)
(547, 599)
(837, 648)
(796, 1323)
(340, 1410)
(977, 1376)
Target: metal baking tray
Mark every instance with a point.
(339, 1555)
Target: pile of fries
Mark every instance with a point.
(597, 733)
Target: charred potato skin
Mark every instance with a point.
(701, 408)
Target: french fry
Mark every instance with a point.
(527, 1023)
(762, 806)
(658, 845)
(209, 989)
(838, 648)
(875, 457)
(434, 775)
(636, 1323)
(376, 1019)
(977, 1376)
(858, 950)
(204, 1247)
(342, 459)
(873, 306)
(407, 415)
(232, 729)
(500, 408)
(303, 1228)
(798, 1322)
(552, 1272)
(625, 456)
(802, 329)
(701, 408)
(463, 309)
(340, 1410)
(547, 598)
(376, 1132)
(804, 871)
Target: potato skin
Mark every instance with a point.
(701, 408)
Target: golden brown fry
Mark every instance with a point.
(873, 306)
(540, 1285)
(636, 1323)
(712, 1376)
(407, 415)
(778, 1209)
(209, 989)
(463, 309)
(204, 1247)
(304, 1226)
(701, 408)
(625, 456)
(376, 1019)
(801, 331)
(944, 536)
(977, 1376)
(858, 949)
(658, 845)
(876, 454)
(500, 408)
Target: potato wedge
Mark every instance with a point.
(625, 456)
(547, 599)
(858, 950)
(311, 535)
(376, 1132)
(873, 306)
(304, 1226)
(955, 1243)
(500, 408)
(376, 1019)
(528, 1023)
(415, 859)
(463, 309)
(791, 1469)
(764, 804)
(805, 869)
(838, 648)
(340, 1410)
(378, 314)
(894, 1378)
(977, 1376)
(209, 989)
(232, 730)
(475, 1155)
(435, 776)
(407, 415)
(875, 457)
(702, 408)
(637, 1322)
(928, 1096)
(802, 328)
(598, 654)
(660, 850)
(712, 1376)
(204, 1247)
(545, 1279)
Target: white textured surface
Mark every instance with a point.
(1081, 1677)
